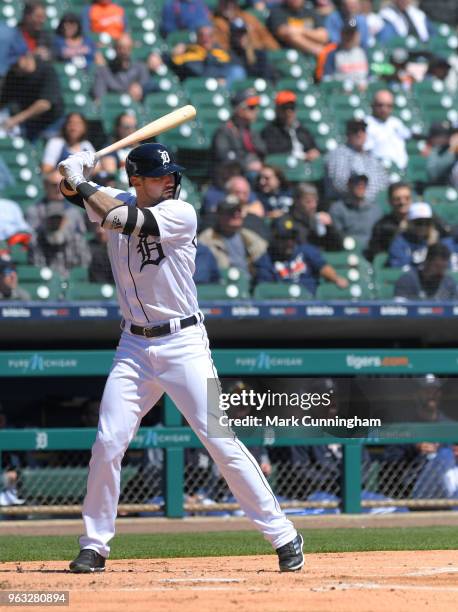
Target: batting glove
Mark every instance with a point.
(73, 168)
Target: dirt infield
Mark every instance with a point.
(333, 582)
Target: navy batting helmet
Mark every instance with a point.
(153, 159)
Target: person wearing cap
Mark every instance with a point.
(442, 154)
(409, 248)
(37, 213)
(348, 11)
(355, 215)
(9, 282)
(315, 226)
(285, 134)
(235, 140)
(351, 158)
(296, 25)
(232, 244)
(430, 280)
(293, 262)
(56, 244)
(386, 134)
(348, 61)
(258, 36)
(253, 60)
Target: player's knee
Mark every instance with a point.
(110, 446)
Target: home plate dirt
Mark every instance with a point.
(332, 582)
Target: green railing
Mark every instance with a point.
(174, 438)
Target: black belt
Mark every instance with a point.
(162, 330)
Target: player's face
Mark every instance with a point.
(153, 189)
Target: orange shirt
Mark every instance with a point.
(108, 18)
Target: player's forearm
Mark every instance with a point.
(100, 202)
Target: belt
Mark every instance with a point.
(162, 330)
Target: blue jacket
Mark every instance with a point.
(206, 266)
(404, 252)
(12, 46)
(184, 15)
(302, 268)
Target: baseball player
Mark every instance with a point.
(163, 347)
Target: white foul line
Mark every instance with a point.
(434, 571)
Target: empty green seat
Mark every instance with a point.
(281, 291)
(441, 195)
(355, 291)
(385, 281)
(212, 291)
(81, 290)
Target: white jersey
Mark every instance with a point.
(154, 277)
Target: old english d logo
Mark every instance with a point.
(150, 251)
(165, 157)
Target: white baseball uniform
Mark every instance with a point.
(155, 286)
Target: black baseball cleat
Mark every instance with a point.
(87, 562)
(291, 556)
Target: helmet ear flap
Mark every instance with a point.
(176, 194)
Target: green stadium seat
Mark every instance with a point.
(416, 169)
(234, 276)
(78, 274)
(28, 272)
(441, 195)
(296, 170)
(82, 290)
(380, 261)
(281, 291)
(212, 291)
(385, 281)
(190, 193)
(18, 254)
(330, 291)
(42, 291)
(447, 211)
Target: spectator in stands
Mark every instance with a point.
(9, 283)
(100, 267)
(252, 209)
(121, 74)
(206, 266)
(355, 215)
(351, 158)
(228, 12)
(13, 227)
(215, 192)
(404, 19)
(32, 94)
(442, 162)
(422, 467)
(294, 262)
(12, 46)
(115, 163)
(32, 26)
(56, 244)
(184, 15)
(104, 16)
(347, 11)
(409, 248)
(430, 280)
(72, 140)
(232, 244)
(314, 226)
(443, 11)
(6, 178)
(253, 61)
(348, 61)
(36, 214)
(70, 44)
(386, 134)
(285, 134)
(205, 59)
(394, 222)
(295, 25)
(273, 191)
(236, 140)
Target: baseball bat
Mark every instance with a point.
(164, 123)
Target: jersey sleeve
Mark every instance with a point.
(176, 219)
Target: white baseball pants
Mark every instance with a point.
(178, 364)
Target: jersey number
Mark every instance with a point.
(150, 251)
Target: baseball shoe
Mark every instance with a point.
(291, 556)
(88, 561)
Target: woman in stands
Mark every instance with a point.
(70, 44)
(72, 140)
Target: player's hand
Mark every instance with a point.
(72, 169)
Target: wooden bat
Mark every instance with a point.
(164, 123)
